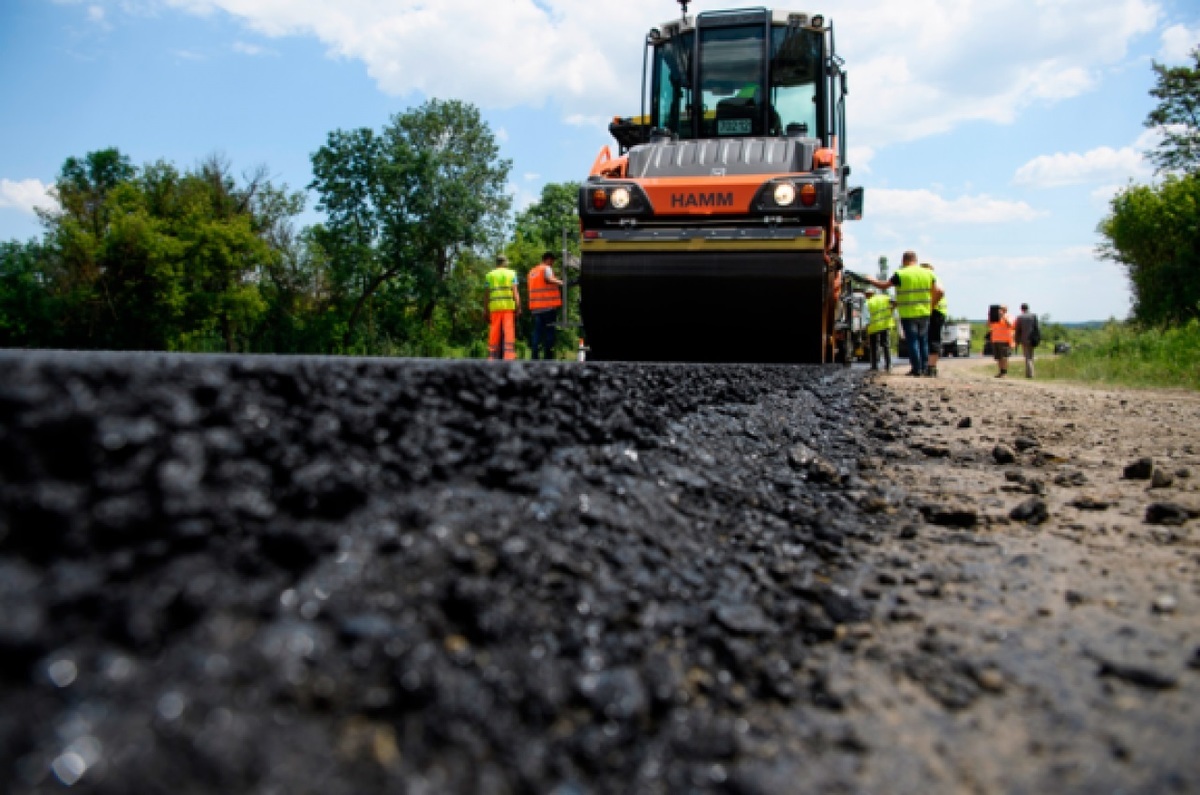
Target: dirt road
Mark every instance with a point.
(244, 574)
(1066, 587)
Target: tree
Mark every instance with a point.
(404, 208)
(539, 228)
(1154, 232)
(542, 223)
(156, 259)
(1177, 116)
(25, 309)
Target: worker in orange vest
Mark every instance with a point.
(504, 302)
(545, 298)
(1003, 336)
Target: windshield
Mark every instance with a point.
(731, 81)
(673, 76)
(732, 100)
(795, 72)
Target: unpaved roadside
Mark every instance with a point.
(1052, 611)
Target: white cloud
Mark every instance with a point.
(1104, 193)
(928, 66)
(96, 14)
(523, 197)
(926, 207)
(859, 158)
(917, 69)
(253, 50)
(1071, 168)
(26, 195)
(583, 120)
(1178, 41)
(532, 177)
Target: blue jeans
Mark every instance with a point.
(543, 333)
(916, 333)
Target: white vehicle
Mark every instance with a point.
(956, 339)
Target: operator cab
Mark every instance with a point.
(740, 74)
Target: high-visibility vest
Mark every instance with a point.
(915, 293)
(1002, 331)
(542, 294)
(880, 307)
(943, 305)
(500, 290)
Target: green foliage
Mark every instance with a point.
(1154, 232)
(1178, 117)
(147, 259)
(158, 258)
(1124, 354)
(407, 208)
(26, 307)
(539, 228)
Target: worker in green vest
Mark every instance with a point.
(504, 302)
(881, 309)
(937, 321)
(917, 292)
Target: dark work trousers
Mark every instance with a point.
(543, 333)
(881, 343)
(916, 332)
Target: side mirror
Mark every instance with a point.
(845, 84)
(854, 204)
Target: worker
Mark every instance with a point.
(545, 298)
(1003, 336)
(917, 292)
(881, 307)
(504, 302)
(937, 321)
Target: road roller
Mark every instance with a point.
(713, 232)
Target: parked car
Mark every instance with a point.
(956, 339)
(1062, 347)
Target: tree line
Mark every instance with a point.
(1153, 231)
(198, 259)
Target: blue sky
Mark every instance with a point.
(989, 135)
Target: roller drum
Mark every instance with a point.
(754, 306)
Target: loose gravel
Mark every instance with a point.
(292, 575)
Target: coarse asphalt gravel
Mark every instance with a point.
(292, 575)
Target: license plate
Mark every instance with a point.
(733, 126)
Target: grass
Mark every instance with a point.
(1125, 355)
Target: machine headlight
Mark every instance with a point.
(785, 194)
(619, 198)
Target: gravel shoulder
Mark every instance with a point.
(1065, 587)
(244, 574)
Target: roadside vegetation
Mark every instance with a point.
(1124, 355)
(204, 259)
(1153, 232)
